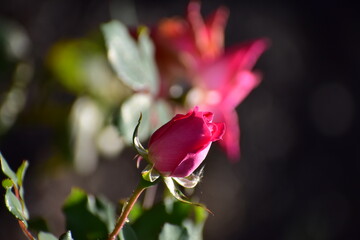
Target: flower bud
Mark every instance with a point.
(177, 148)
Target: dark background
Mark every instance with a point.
(298, 177)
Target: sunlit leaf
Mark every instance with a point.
(46, 236)
(178, 211)
(83, 68)
(104, 209)
(86, 118)
(132, 61)
(66, 236)
(200, 215)
(7, 170)
(20, 173)
(14, 206)
(194, 230)
(195, 226)
(80, 220)
(127, 233)
(66, 60)
(146, 49)
(161, 113)
(149, 225)
(25, 211)
(129, 114)
(173, 232)
(136, 212)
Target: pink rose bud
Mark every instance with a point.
(177, 148)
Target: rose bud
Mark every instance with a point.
(177, 148)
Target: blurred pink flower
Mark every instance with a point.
(201, 39)
(183, 44)
(193, 37)
(221, 85)
(177, 148)
(192, 48)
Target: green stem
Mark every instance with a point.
(21, 224)
(128, 207)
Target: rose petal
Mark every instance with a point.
(217, 131)
(231, 138)
(243, 84)
(190, 162)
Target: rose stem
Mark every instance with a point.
(21, 224)
(127, 209)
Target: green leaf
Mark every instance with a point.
(195, 227)
(129, 114)
(136, 212)
(14, 206)
(66, 60)
(20, 173)
(66, 236)
(173, 232)
(104, 209)
(82, 219)
(69, 60)
(38, 224)
(149, 225)
(132, 61)
(82, 67)
(194, 230)
(7, 170)
(24, 209)
(46, 236)
(200, 215)
(7, 183)
(127, 233)
(146, 48)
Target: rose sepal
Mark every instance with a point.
(190, 181)
(150, 174)
(136, 142)
(176, 192)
